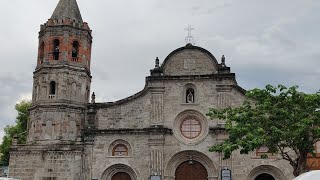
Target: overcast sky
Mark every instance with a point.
(274, 41)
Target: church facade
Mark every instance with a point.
(159, 133)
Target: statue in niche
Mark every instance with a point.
(190, 95)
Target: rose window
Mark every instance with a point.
(190, 127)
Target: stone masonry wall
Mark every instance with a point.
(72, 85)
(44, 165)
(190, 62)
(164, 105)
(134, 114)
(55, 124)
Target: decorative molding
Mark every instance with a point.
(156, 162)
(224, 99)
(156, 107)
(153, 130)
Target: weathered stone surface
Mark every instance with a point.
(72, 139)
(67, 9)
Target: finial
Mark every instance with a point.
(93, 98)
(189, 39)
(223, 61)
(157, 62)
(15, 140)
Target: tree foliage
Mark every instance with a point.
(283, 119)
(18, 130)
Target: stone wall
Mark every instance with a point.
(190, 62)
(58, 116)
(66, 33)
(149, 125)
(147, 158)
(133, 114)
(72, 85)
(55, 124)
(44, 162)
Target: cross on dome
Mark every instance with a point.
(189, 39)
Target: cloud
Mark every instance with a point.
(263, 41)
(14, 87)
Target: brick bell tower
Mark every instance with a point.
(62, 78)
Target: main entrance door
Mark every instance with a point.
(264, 176)
(121, 176)
(191, 170)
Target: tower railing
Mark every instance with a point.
(52, 96)
(75, 59)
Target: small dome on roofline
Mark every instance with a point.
(190, 60)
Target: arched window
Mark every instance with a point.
(52, 88)
(264, 150)
(56, 49)
(75, 50)
(88, 93)
(190, 95)
(120, 150)
(41, 53)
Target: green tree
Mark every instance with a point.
(283, 119)
(19, 130)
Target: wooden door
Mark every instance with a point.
(191, 171)
(121, 176)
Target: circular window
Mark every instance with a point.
(190, 127)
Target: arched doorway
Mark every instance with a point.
(267, 172)
(121, 176)
(264, 176)
(191, 170)
(119, 172)
(187, 156)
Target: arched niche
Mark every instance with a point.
(190, 89)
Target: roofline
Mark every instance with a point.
(155, 78)
(121, 101)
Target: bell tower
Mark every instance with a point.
(62, 78)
